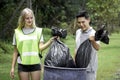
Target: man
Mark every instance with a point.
(87, 32)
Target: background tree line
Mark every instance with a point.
(59, 13)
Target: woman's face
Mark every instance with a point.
(83, 23)
(28, 20)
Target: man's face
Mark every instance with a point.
(83, 23)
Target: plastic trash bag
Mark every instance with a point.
(59, 55)
(59, 32)
(83, 54)
(102, 35)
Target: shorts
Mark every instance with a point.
(28, 68)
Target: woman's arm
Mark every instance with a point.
(14, 60)
(43, 46)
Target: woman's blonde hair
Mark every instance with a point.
(21, 20)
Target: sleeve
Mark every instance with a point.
(41, 39)
(98, 42)
(93, 34)
(14, 40)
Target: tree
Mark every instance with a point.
(105, 12)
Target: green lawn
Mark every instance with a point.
(109, 64)
(109, 59)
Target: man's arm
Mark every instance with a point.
(93, 42)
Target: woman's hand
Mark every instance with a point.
(53, 38)
(12, 73)
(43, 46)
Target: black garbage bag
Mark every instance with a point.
(59, 55)
(59, 32)
(102, 35)
(70, 62)
(83, 54)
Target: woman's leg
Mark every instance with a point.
(24, 75)
(35, 75)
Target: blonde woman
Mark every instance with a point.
(28, 41)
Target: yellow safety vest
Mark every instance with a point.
(28, 46)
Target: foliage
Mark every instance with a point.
(5, 47)
(47, 12)
(105, 12)
(60, 13)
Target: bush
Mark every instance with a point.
(5, 47)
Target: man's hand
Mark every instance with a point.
(92, 38)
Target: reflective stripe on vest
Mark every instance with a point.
(28, 46)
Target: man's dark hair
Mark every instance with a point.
(83, 13)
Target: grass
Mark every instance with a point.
(108, 55)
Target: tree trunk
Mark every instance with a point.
(7, 26)
(29, 4)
